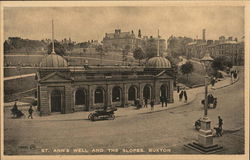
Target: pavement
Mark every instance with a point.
(121, 112)
(191, 93)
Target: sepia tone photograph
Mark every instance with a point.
(123, 79)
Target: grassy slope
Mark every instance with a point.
(195, 78)
(12, 87)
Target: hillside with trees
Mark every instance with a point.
(18, 45)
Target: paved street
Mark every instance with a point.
(165, 129)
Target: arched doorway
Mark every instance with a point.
(80, 97)
(99, 95)
(56, 101)
(163, 92)
(147, 92)
(132, 93)
(116, 94)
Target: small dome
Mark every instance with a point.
(54, 61)
(158, 62)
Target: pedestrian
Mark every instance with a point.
(14, 109)
(220, 125)
(138, 105)
(181, 95)
(217, 131)
(210, 99)
(232, 77)
(213, 81)
(166, 101)
(185, 95)
(162, 101)
(235, 75)
(30, 112)
(135, 102)
(178, 89)
(215, 103)
(146, 102)
(152, 103)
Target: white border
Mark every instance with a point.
(137, 3)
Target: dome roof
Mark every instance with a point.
(53, 60)
(158, 62)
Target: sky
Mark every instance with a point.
(91, 23)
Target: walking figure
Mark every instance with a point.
(215, 103)
(185, 95)
(30, 112)
(180, 96)
(146, 102)
(152, 103)
(220, 125)
(162, 101)
(178, 89)
(232, 77)
(14, 110)
(235, 75)
(166, 101)
(213, 81)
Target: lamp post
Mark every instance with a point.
(206, 62)
(205, 136)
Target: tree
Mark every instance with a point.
(187, 68)
(125, 53)
(151, 48)
(59, 49)
(177, 45)
(69, 46)
(138, 54)
(99, 49)
(221, 62)
(84, 44)
(7, 47)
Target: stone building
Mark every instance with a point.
(229, 48)
(119, 40)
(232, 50)
(65, 90)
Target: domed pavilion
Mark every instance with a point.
(61, 88)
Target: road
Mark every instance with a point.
(169, 129)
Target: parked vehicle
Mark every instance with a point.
(211, 101)
(102, 114)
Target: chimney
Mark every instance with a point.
(204, 34)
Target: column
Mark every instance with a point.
(44, 101)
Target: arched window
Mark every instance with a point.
(99, 95)
(116, 94)
(80, 97)
(132, 94)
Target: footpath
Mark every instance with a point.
(191, 93)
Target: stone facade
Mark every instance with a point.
(232, 49)
(66, 91)
(118, 41)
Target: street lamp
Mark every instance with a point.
(205, 136)
(206, 62)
